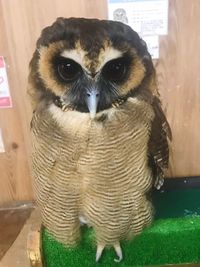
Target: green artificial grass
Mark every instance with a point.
(168, 241)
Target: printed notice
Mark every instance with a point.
(5, 98)
(152, 42)
(2, 148)
(147, 17)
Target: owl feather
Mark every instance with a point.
(100, 137)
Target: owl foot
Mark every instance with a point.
(100, 249)
(118, 251)
(117, 248)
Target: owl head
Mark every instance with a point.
(89, 65)
(120, 15)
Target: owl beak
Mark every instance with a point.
(92, 100)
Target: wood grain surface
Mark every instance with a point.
(21, 22)
(179, 82)
(11, 222)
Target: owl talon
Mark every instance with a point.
(99, 252)
(117, 248)
(118, 251)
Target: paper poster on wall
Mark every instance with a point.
(2, 148)
(152, 42)
(146, 17)
(5, 98)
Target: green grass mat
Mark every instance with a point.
(173, 238)
(167, 241)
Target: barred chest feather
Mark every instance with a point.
(111, 147)
(101, 164)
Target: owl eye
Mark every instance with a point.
(68, 69)
(115, 70)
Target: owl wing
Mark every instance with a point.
(158, 149)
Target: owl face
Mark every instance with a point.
(90, 65)
(120, 15)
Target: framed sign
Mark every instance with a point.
(5, 98)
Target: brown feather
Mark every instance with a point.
(98, 168)
(158, 142)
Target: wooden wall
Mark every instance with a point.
(179, 83)
(20, 24)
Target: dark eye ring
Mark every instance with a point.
(116, 70)
(68, 70)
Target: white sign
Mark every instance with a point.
(152, 42)
(5, 98)
(146, 17)
(2, 148)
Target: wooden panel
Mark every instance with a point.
(179, 82)
(21, 22)
(15, 174)
(11, 223)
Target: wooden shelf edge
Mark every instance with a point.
(34, 248)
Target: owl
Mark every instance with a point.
(100, 137)
(119, 14)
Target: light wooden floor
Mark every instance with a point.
(12, 219)
(16, 256)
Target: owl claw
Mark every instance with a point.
(100, 249)
(118, 251)
(117, 248)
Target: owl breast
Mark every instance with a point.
(96, 168)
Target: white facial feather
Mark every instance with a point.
(110, 53)
(73, 120)
(74, 54)
(78, 56)
(78, 121)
